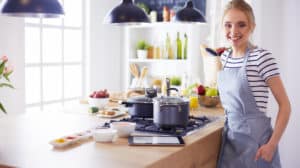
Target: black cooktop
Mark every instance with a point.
(147, 125)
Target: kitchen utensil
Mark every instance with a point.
(134, 70)
(211, 51)
(141, 106)
(144, 72)
(170, 111)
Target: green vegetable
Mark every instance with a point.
(93, 109)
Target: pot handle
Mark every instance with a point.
(169, 89)
(127, 104)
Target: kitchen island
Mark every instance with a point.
(24, 142)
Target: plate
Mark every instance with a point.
(112, 112)
(71, 139)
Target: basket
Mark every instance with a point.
(208, 101)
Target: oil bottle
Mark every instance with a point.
(185, 46)
(179, 46)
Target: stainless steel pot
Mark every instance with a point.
(170, 112)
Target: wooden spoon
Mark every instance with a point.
(134, 70)
(144, 72)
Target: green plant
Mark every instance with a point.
(175, 81)
(5, 72)
(143, 6)
(142, 45)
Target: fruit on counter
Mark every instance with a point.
(201, 90)
(211, 92)
(189, 90)
(100, 94)
(206, 91)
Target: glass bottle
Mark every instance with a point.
(179, 46)
(185, 46)
(168, 47)
(166, 14)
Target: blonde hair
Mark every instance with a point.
(242, 6)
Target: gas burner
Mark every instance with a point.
(147, 125)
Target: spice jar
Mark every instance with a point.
(153, 16)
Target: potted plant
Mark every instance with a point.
(5, 72)
(142, 49)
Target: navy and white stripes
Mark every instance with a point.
(260, 67)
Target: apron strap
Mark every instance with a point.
(249, 47)
(227, 59)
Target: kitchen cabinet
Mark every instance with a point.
(155, 34)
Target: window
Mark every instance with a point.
(55, 59)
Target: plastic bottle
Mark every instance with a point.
(185, 46)
(179, 46)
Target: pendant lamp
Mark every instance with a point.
(32, 8)
(126, 12)
(189, 14)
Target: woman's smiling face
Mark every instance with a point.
(237, 28)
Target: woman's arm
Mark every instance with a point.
(266, 151)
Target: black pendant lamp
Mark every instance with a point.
(189, 14)
(126, 12)
(32, 8)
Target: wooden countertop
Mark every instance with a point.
(24, 142)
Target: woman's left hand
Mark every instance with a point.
(265, 152)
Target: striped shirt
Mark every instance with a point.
(260, 67)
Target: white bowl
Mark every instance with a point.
(98, 102)
(124, 129)
(104, 135)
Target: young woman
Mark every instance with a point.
(244, 82)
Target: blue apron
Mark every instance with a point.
(246, 128)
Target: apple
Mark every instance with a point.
(201, 90)
(211, 92)
(100, 94)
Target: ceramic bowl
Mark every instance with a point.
(104, 135)
(98, 102)
(124, 129)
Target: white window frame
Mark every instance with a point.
(61, 64)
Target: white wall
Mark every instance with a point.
(12, 45)
(105, 48)
(291, 36)
(278, 30)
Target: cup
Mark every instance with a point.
(194, 104)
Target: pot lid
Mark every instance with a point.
(171, 100)
(140, 99)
